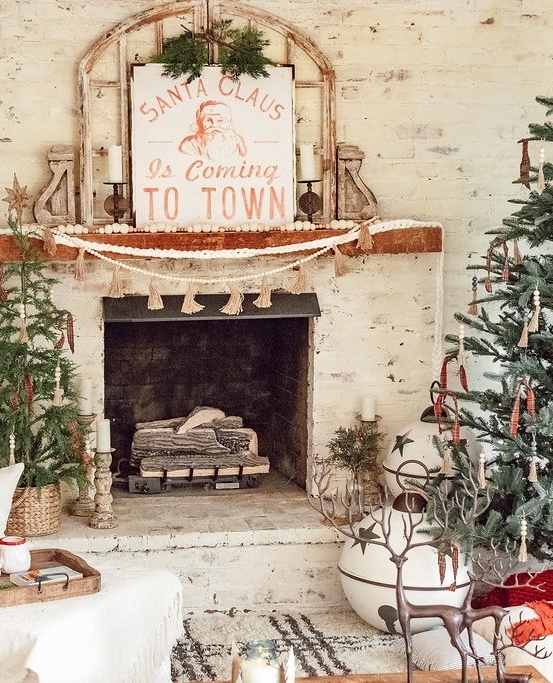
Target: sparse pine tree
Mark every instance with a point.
(39, 423)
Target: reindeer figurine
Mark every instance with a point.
(455, 619)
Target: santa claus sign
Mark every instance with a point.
(213, 151)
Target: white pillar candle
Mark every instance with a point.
(103, 435)
(368, 409)
(307, 162)
(115, 164)
(85, 396)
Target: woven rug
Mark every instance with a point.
(324, 644)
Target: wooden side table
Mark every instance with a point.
(452, 676)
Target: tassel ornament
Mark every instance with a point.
(12, 449)
(264, 298)
(58, 393)
(482, 471)
(473, 306)
(447, 465)
(523, 341)
(517, 256)
(541, 177)
(189, 304)
(155, 302)
(23, 336)
(533, 473)
(234, 304)
(79, 271)
(340, 265)
(523, 553)
(533, 325)
(115, 290)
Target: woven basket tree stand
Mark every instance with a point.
(35, 512)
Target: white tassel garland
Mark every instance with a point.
(189, 304)
(234, 304)
(79, 271)
(115, 290)
(264, 298)
(299, 285)
(155, 302)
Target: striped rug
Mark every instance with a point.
(323, 643)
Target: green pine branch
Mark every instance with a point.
(240, 51)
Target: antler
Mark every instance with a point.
(327, 497)
(493, 568)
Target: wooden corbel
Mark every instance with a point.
(355, 201)
(56, 202)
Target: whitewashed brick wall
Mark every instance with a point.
(435, 93)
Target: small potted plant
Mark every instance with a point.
(356, 450)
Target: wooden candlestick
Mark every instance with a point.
(103, 516)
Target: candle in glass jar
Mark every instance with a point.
(103, 436)
(260, 664)
(368, 409)
(115, 164)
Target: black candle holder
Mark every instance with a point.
(310, 202)
(116, 205)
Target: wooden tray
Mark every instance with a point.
(51, 557)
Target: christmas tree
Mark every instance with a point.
(510, 326)
(39, 423)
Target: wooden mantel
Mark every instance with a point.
(397, 241)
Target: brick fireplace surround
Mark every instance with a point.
(266, 548)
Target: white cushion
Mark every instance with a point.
(9, 477)
(432, 650)
(516, 656)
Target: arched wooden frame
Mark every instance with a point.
(202, 13)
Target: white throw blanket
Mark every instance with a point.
(122, 634)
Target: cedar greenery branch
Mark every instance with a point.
(356, 449)
(39, 420)
(240, 51)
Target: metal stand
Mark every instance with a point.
(103, 517)
(116, 205)
(310, 202)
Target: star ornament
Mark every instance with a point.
(17, 198)
(401, 441)
(364, 537)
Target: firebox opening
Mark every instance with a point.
(254, 367)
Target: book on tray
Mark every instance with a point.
(45, 575)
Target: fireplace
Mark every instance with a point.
(161, 364)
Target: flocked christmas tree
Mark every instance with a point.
(39, 423)
(510, 326)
